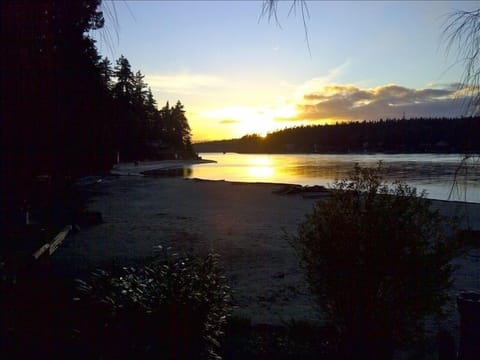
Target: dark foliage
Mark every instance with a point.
(143, 131)
(377, 261)
(55, 108)
(65, 111)
(170, 308)
(293, 340)
(406, 136)
(173, 307)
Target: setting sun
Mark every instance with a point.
(244, 120)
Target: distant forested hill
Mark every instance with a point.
(418, 135)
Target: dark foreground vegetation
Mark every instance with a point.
(377, 262)
(166, 307)
(67, 112)
(459, 135)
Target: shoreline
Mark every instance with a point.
(137, 168)
(173, 168)
(266, 183)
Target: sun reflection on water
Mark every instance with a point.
(261, 167)
(262, 172)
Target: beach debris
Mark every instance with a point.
(168, 172)
(57, 240)
(53, 245)
(299, 189)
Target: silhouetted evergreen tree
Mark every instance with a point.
(141, 124)
(180, 128)
(106, 72)
(175, 130)
(123, 91)
(153, 116)
(163, 125)
(124, 85)
(140, 117)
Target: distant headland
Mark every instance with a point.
(418, 135)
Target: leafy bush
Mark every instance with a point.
(173, 307)
(377, 261)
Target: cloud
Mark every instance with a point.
(446, 86)
(184, 83)
(228, 122)
(349, 102)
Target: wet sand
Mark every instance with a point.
(247, 224)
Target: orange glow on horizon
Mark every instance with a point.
(237, 121)
(239, 129)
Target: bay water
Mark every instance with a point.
(442, 176)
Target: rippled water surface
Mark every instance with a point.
(439, 174)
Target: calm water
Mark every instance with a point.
(434, 173)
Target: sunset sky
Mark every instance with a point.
(237, 73)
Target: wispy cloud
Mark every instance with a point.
(228, 122)
(319, 82)
(184, 83)
(349, 102)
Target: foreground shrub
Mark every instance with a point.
(377, 260)
(173, 307)
(291, 340)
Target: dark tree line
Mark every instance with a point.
(65, 111)
(144, 131)
(459, 135)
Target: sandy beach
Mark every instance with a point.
(247, 224)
